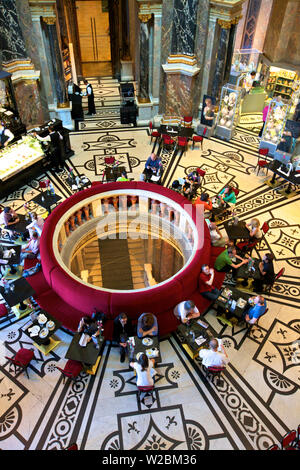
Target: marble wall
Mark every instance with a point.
(29, 103)
(184, 26)
(179, 95)
(12, 41)
(166, 38)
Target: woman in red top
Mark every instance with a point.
(206, 287)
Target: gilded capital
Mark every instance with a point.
(144, 18)
(224, 23)
(49, 19)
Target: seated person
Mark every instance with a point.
(227, 195)
(90, 328)
(253, 312)
(31, 250)
(122, 331)
(152, 167)
(215, 356)
(9, 218)
(144, 371)
(176, 186)
(205, 201)
(206, 287)
(216, 236)
(254, 228)
(37, 223)
(266, 269)
(147, 325)
(224, 262)
(123, 177)
(194, 176)
(186, 311)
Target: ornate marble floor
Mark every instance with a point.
(258, 398)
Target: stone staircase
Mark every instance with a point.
(137, 260)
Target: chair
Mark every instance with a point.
(199, 138)
(276, 277)
(265, 228)
(288, 440)
(213, 371)
(21, 359)
(73, 446)
(274, 447)
(71, 370)
(109, 160)
(187, 121)
(236, 191)
(167, 141)
(182, 143)
(4, 312)
(201, 174)
(153, 134)
(262, 163)
(247, 247)
(146, 389)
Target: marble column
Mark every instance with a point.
(143, 95)
(16, 60)
(220, 62)
(50, 31)
(181, 67)
(156, 58)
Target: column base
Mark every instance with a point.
(64, 114)
(126, 71)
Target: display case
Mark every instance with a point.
(274, 125)
(19, 156)
(228, 114)
(243, 61)
(281, 82)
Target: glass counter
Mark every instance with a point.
(15, 158)
(274, 125)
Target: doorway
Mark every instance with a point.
(94, 37)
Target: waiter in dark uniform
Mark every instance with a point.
(56, 147)
(90, 95)
(5, 135)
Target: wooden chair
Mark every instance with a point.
(277, 276)
(21, 359)
(4, 312)
(288, 440)
(167, 141)
(199, 138)
(187, 121)
(71, 370)
(153, 134)
(182, 143)
(213, 371)
(262, 163)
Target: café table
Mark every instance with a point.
(46, 200)
(113, 173)
(22, 290)
(218, 208)
(39, 339)
(88, 355)
(236, 231)
(141, 347)
(229, 301)
(174, 131)
(245, 273)
(194, 337)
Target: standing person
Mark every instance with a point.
(77, 110)
(6, 135)
(122, 331)
(264, 117)
(144, 371)
(56, 147)
(91, 100)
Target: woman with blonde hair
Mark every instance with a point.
(254, 228)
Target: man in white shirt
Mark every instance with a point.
(186, 311)
(90, 95)
(32, 249)
(215, 356)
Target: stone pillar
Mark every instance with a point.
(156, 58)
(219, 69)
(143, 95)
(181, 67)
(16, 60)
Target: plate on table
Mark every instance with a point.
(34, 330)
(42, 319)
(147, 341)
(43, 333)
(241, 303)
(226, 293)
(152, 352)
(50, 325)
